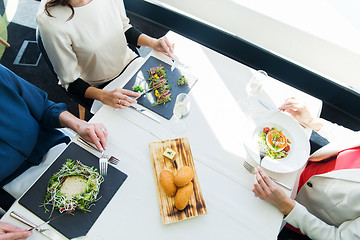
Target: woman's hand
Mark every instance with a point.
(301, 113)
(91, 132)
(270, 192)
(119, 98)
(95, 133)
(164, 46)
(10, 232)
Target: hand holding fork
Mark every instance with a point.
(251, 169)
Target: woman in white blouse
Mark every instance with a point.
(87, 44)
(327, 205)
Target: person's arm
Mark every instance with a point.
(132, 36)
(138, 38)
(162, 44)
(54, 115)
(118, 98)
(10, 232)
(336, 133)
(330, 131)
(92, 132)
(45, 111)
(301, 113)
(315, 228)
(58, 47)
(297, 215)
(270, 192)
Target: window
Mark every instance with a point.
(322, 36)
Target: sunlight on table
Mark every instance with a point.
(220, 109)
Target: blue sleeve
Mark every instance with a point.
(45, 111)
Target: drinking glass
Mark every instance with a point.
(181, 111)
(255, 85)
(249, 102)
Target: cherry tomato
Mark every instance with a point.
(266, 130)
(287, 148)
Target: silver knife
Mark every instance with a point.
(271, 108)
(267, 105)
(47, 222)
(146, 113)
(48, 233)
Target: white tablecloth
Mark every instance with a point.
(219, 111)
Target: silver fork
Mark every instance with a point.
(251, 169)
(103, 162)
(112, 159)
(262, 155)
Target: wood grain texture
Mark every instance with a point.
(183, 157)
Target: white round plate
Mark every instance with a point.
(299, 147)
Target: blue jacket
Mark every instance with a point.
(28, 122)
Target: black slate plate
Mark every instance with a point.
(78, 224)
(141, 78)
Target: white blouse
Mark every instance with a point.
(91, 46)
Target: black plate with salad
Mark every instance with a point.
(165, 84)
(79, 221)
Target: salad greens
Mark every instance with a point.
(138, 89)
(158, 81)
(83, 200)
(182, 80)
(273, 151)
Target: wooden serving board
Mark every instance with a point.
(183, 157)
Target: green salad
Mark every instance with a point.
(182, 80)
(272, 151)
(138, 89)
(158, 81)
(87, 178)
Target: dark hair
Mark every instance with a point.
(53, 3)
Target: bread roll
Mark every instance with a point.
(183, 195)
(167, 182)
(183, 176)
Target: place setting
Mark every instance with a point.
(283, 140)
(159, 84)
(71, 194)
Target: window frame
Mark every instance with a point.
(330, 92)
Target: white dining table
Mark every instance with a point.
(219, 113)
